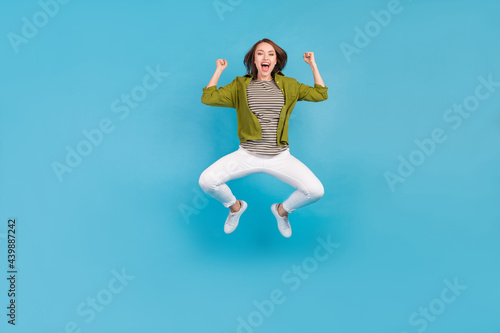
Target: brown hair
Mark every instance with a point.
(281, 58)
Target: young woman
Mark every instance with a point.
(264, 99)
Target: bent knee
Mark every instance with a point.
(205, 182)
(209, 181)
(317, 191)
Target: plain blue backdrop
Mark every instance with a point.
(122, 238)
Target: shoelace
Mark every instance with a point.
(285, 224)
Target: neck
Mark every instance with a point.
(267, 77)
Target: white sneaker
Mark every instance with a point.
(283, 224)
(233, 218)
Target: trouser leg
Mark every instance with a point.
(232, 166)
(290, 170)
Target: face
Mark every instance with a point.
(265, 55)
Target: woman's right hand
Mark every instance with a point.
(221, 64)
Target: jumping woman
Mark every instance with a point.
(264, 99)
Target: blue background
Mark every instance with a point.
(134, 202)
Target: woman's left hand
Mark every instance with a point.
(309, 58)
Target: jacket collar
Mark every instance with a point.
(277, 73)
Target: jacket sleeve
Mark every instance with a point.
(224, 96)
(317, 93)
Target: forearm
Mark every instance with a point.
(215, 78)
(317, 76)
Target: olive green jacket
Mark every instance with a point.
(233, 95)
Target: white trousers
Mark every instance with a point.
(283, 166)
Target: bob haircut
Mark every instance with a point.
(281, 58)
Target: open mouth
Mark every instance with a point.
(265, 66)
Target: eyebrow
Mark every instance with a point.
(264, 51)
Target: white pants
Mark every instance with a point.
(284, 166)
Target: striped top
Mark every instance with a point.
(265, 100)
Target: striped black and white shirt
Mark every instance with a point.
(265, 100)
